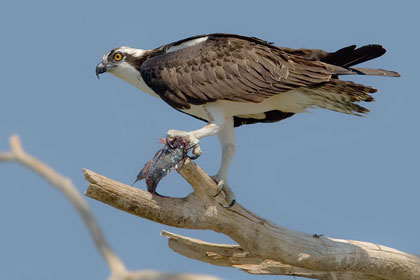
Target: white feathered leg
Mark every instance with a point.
(216, 122)
(223, 127)
(227, 141)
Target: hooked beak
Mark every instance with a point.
(100, 68)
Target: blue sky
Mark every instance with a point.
(323, 172)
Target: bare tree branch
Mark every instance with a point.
(235, 256)
(118, 270)
(266, 247)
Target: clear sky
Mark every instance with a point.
(323, 172)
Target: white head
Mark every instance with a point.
(123, 62)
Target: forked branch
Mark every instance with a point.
(118, 270)
(264, 248)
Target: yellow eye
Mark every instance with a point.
(118, 57)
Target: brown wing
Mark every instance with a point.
(229, 68)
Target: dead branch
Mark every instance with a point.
(264, 248)
(118, 270)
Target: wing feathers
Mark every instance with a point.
(230, 69)
(249, 70)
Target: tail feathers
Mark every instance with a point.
(374, 72)
(349, 56)
(341, 96)
(333, 105)
(343, 59)
(338, 71)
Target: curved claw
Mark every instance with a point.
(232, 202)
(193, 145)
(229, 194)
(196, 152)
(168, 142)
(193, 157)
(219, 188)
(188, 139)
(160, 195)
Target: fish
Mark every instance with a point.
(167, 159)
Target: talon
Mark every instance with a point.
(189, 139)
(233, 201)
(220, 186)
(160, 195)
(171, 137)
(169, 142)
(196, 152)
(230, 196)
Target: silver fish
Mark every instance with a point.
(170, 157)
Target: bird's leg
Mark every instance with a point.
(230, 195)
(223, 127)
(216, 118)
(227, 141)
(192, 138)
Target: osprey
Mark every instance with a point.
(230, 80)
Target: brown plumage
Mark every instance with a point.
(244, 69)
(229, 68)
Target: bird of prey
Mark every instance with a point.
(230, 80)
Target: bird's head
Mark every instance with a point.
(121, 62)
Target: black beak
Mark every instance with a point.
(100, 68)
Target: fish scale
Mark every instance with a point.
(167, 159)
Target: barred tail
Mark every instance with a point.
(340, 96)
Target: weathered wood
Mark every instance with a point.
(117, 267)
(235, 256)
(290, 251)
